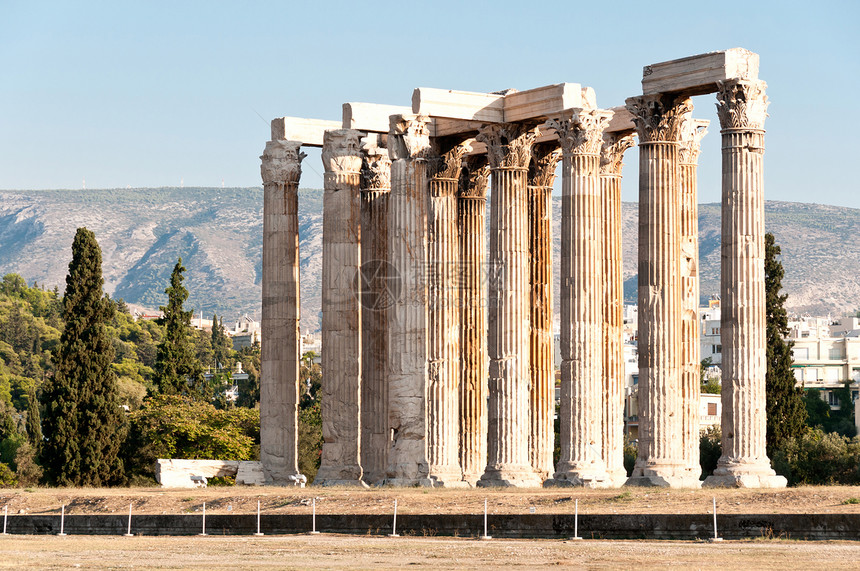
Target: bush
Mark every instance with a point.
(710, 450)
(631, 450)
(818, 458)
(310, 441)
(7, 477)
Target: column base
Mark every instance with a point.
(296, 480)
(471, 479)
(662, 476)
(445, 477)
(510, 477)
(350, 483)
(339, 476)
(408, 482)
(579, 479)
(744, 475)
(617, 478)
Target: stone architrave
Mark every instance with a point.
(612, 153)
(581, 463)
(509, 153)
(443, 319)
(409, 149)
(658, 120)
(279, 382)
(692, 132)
(742, 109)
(341, 311)
(472, 207)
(545, 157)
(376, 297)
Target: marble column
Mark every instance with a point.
(742, 108)
(279, 379)
(545, 158)
(409, 148)
(692, 132)
(443, 319)
(581, 417)
(376, 298)
(509, 153)
(611, 157)
(658, 120)
(472, 207)
(341, 311)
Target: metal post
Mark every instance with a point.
(576, 520)
(258, 519)
(62, 521)
(716, 537)
(394, 525)
(204, 519)
(485, 536)
(128, 533)
(314, 517)
(5, 515)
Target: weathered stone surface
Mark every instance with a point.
(699, 74)
(742, 108)
(545, 158)
(309, 132)
(659, 120)
(408, 147)
(452, 104)
(279, 378)
(178, 473)
(509, 153)
(472, 207)
(612, 153)
(341, 323)
(371, 117)
(581, 416)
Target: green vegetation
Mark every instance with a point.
(786, 413)
(819, 458)
(840, 421)
(83, 422)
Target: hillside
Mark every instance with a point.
(218, 234)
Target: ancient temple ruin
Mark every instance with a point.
(437, 322)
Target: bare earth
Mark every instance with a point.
(274, 500)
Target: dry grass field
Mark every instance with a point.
(273, 500)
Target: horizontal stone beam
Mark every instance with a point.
(309, 132)
(697, 75)
(621, 121)
(542, 101)
(450, 104)
(370, 117)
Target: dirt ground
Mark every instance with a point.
(275, 500)
(328, 551)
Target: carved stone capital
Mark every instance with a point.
(376, 171)
(692, 133)
(409, 137)
(508, 144)
(475, 177)
(282, 162)
(447, 165)
(340, 151)
(742, 104)
(612, 152)
(581, 130)
(658, 117)
(545, 157)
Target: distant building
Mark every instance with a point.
(826, 354)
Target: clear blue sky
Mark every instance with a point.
(151, 93)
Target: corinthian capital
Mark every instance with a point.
(409, 137)
(340, 152)
(475, 177)
(282, 162)
(658, 117)
(742, 104)
(580, 131)
(508, 144)
(545, 157)
(612, 152)
(692, 133)
(376, 170)
(447, 166)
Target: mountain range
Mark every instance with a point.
(218, 234)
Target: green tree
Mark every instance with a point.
(786, 412)
(83, 423)
(222, 345)
(34, 419)
(177, 370)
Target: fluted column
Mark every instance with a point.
(443, 321)
(742, 108)
(341, 311)
(692, 132)
(472, 207)
(545, 157)
(408, 147)
(376, 298)
(658, 120)
(509, 152)
(581, 417)
(611, 157)
(279, 382)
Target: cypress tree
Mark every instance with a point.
(34, 419)
(786, 412)
(84, 425)
(221, 343)
(177, 370)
